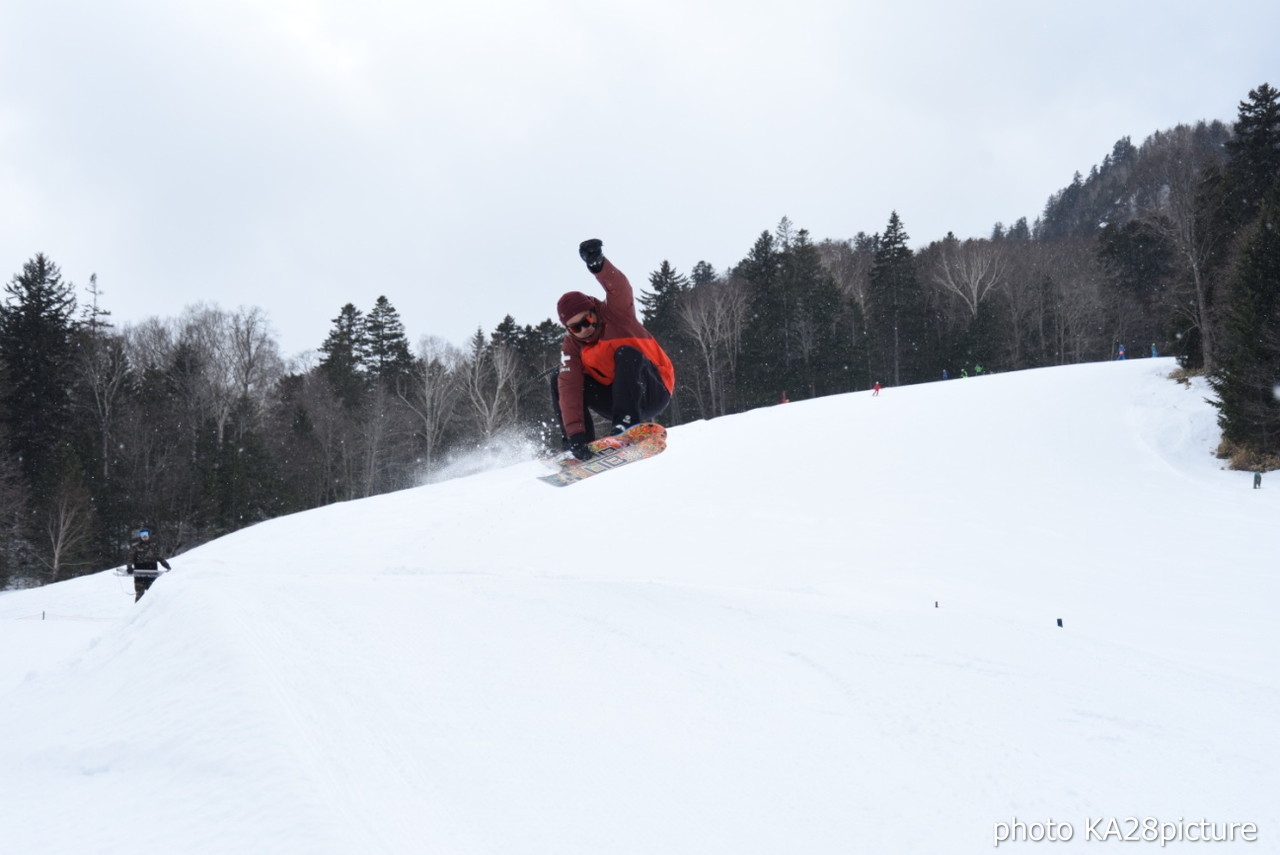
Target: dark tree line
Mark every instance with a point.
(195, 426)
(1243, 207)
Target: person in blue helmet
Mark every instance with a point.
(145, 562)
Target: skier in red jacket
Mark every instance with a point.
(609, 363)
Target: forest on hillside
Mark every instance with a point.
(195, 426)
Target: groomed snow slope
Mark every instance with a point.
(824, 627)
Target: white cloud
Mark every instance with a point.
(302, 155)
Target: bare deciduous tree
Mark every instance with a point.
(1180, 218)
(849, 263)
(68, 525)
(1055, 304)
(207, 381)
(713, 314)
(489, 379)
(1076, 315)
(228, 359)
(1027, 308)
(149, 345)
(971, 270)
(149, 447)
(431, 393)
(104, 370)
(383, 436)
(255, 355)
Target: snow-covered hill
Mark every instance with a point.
(824, 627)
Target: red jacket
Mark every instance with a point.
(618, 326)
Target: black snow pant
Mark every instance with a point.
(637, 394)
(142, 579)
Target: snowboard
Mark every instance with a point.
(643, 440)
(120, 571)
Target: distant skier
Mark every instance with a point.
(609, 363)
(875, 390)
(144, 556)
(1120, 353)
(1154, 352)
(1257, 479)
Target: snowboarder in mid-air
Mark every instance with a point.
(609, 363)
(145, 561)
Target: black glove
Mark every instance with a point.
(129, 570)
(165, 564)
(592, 252)
(578, 446)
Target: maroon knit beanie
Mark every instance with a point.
(573, 303)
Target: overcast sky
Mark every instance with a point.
(298, 156)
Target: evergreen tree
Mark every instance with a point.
(659, 303)
(506, 333)
(1019, 231)
(764, 354)
(343, 360)
(294, 445)
(1248, 369)
(1063, 213)
(540, 347)
(242, 484)
(36, 336)
(793, 341)
(896, 310)
(1254, 151)
(387, 356)
(702, 274)
(661, 317)
(661, 310)
(1228, 200)
(14, 515)
(818, 367)
(1139, 264)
